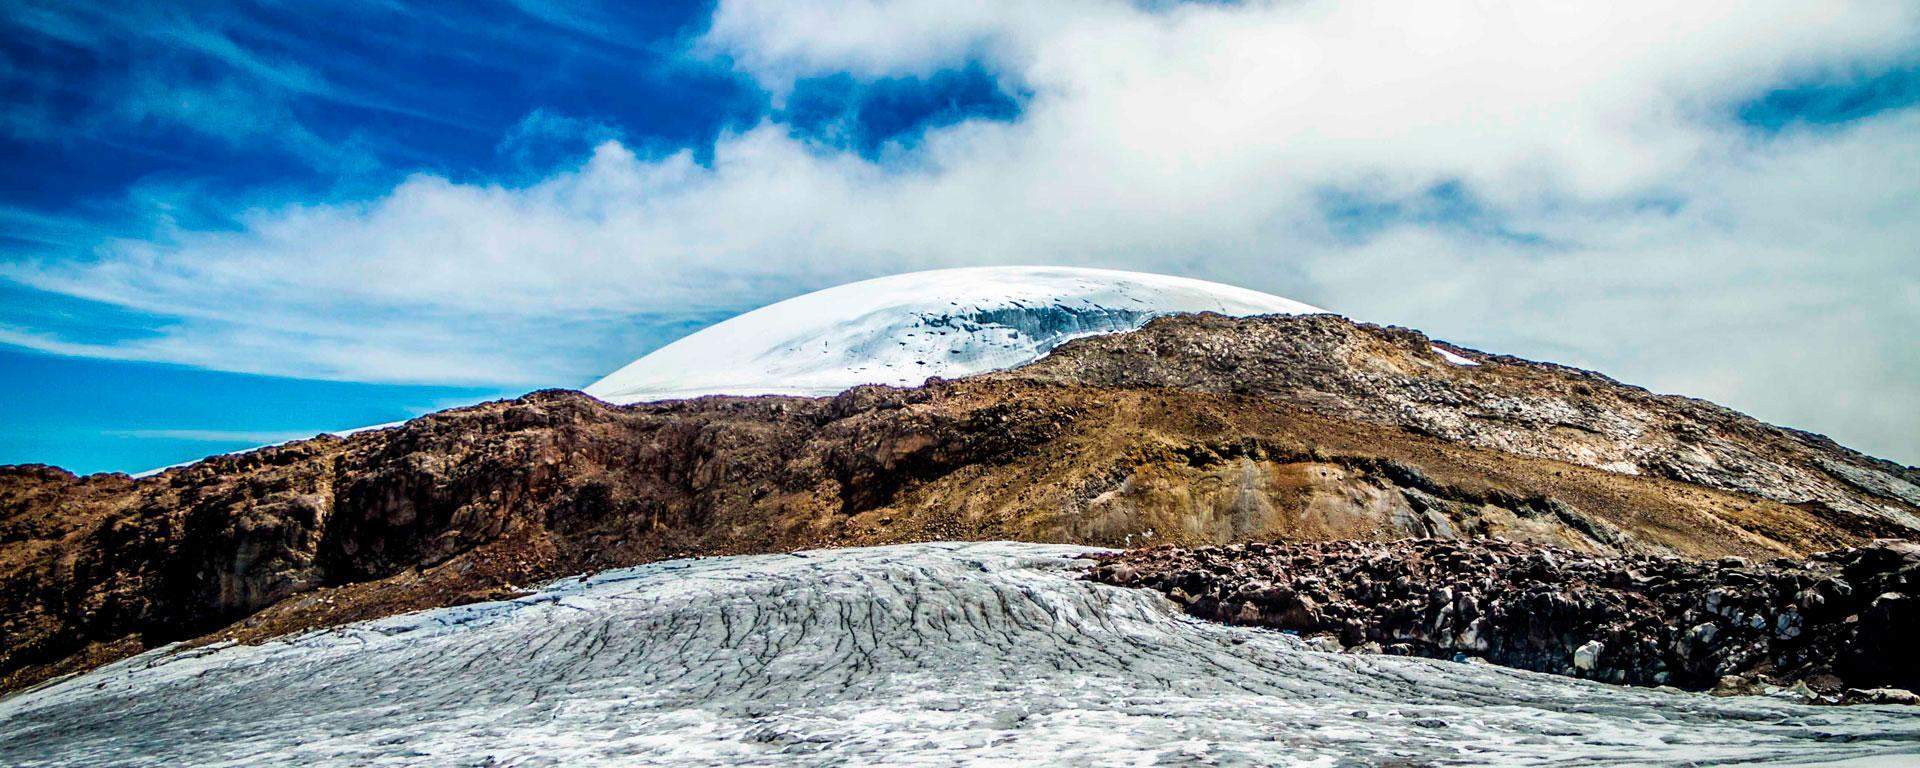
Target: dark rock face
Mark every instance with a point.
(1838, 620)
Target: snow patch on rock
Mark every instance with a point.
(1454, 357)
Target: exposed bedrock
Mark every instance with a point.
(1837, 622)
(1396, 376)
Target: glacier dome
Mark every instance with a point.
(901, 329)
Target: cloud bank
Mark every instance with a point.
(1568, 183)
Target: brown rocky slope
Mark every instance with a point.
(1197, 429)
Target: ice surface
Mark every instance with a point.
(931, 654)
(899, 330)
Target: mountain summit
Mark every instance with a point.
(902, 329)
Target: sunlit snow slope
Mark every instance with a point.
(931, 654)
(902, 329)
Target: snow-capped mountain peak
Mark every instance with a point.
(902, 329)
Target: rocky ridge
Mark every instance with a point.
(1399, 377)
(1195, 430)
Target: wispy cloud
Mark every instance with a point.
(119, 71)
(161, 68)
(244, 437)
(545, 138)
(1572, 182)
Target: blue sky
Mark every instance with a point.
(123, 119)
(224, 223)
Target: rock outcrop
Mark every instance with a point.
(1399, 377)
(1195, 430)
(1838, 623)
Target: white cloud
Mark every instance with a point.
(1665, 243)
